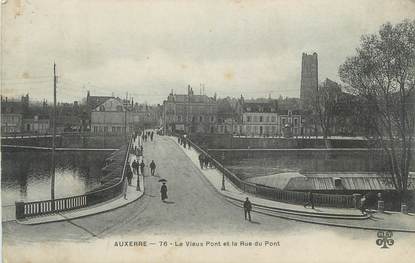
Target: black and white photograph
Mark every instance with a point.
(207, 131)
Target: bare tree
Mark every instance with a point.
(382, 74)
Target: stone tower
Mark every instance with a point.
(309, 79)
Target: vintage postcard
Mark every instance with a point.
(207, 131)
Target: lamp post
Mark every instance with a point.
(223, 173)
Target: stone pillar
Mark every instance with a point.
(19, 210)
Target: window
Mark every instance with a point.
(101, 108)
(212, 118)
(119, 108)
(200, 118)
(284, 121)
(260, 118)
(295, 122)
(272, 118)
(179, 118)
(114, 129)
(248, 118)
(267, 119)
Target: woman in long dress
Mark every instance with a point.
(163, 192)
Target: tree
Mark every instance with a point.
(326, 106)
(382, 75)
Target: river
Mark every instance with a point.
(26, 174)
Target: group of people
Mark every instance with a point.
(182, 140)
(204, 161)
(147, 135)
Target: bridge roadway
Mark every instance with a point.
(193, 207)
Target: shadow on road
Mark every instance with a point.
(254, 222)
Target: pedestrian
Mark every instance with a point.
(142, 165)
(310, 200)
(135, 166)
(163, 192)
(247, 209)
(141, 150)
(178, 139)
(201, 160)
(152, 135)
(363, 204)
(184, 144)
(129, 174)
(152, 167)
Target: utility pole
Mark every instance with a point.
(125, 118)
(52, 189)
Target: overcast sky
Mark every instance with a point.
(147, 48)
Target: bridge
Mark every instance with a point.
(193, 207)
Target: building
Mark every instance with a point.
(145, 116)
(309, 79)
(12, 113)
(291, 123)
(11, 122)
(92, 102)
(36, 124)
(227, 116)
(189, 113)
(259, 118)
(111, 117)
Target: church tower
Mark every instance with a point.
(309, 79)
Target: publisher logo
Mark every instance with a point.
(385, 239)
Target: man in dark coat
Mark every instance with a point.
(201, 160)
(142, 165)
(247, 209)
(163, 192)
(152, 167)
(129, 174)
(135, 166)
(310, 200)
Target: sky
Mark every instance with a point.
(148, 48)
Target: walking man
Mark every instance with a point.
(201, 160)
(247, 209)
(129, 173)
(310, 200)
(135, 166)
(142, 165)
(163, 192)
(152, 167)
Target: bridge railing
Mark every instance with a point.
(37, 208)
(271, 193)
